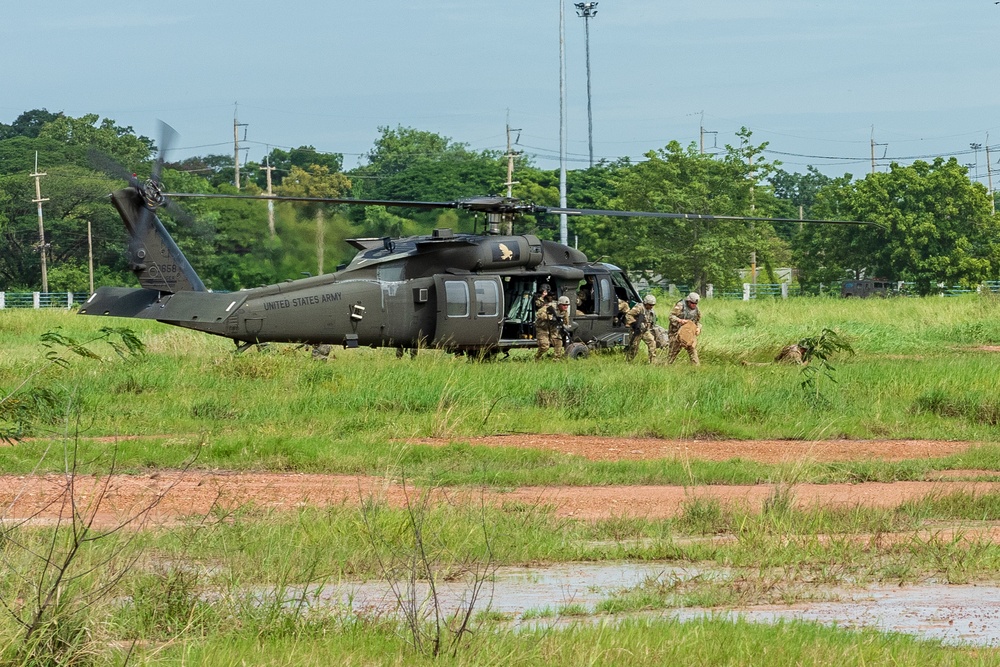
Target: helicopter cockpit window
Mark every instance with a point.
(390, 272)
(487, 298)
(623, 289)
(457, 297)
(605, 295)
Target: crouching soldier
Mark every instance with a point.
(549, 322)
(641, 319)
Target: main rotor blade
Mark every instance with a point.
(504, 205)
(693, 216)
(167, 137)
(320, 200)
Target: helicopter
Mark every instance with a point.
(466, 293)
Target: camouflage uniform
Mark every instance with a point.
(622, 312)
(680, 312)
(641, 320)
(543, 296)
(548, 322)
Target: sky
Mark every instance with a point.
(818, 81)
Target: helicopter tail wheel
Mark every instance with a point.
(577, 351)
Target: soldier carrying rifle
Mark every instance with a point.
(550, 320)
(641, 319)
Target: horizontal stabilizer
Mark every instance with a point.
(121, 302)
(183, 307)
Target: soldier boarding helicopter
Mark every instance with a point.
(464, 293)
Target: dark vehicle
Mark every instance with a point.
(866, 288)
(466, 293)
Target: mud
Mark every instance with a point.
(962, 615)
(558, 595)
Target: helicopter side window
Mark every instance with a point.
(457, 297)
(390, 272)
(487, 298)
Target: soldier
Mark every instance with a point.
(549, 322)
(621, 312)
(543, 296)
(641, 319)
(685, 312)
(585, 297)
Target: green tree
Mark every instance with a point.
(397, 149)
(216, 170)
(75, 196)
(406, 164)
(119, 143)
(692, 251)
(795, 195)
(28, 124)
(938, 227)
(317, 181)
(282, 162)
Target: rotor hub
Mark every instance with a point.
(152, 193)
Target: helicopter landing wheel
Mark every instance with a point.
(577, 351)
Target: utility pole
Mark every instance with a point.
(41, 227)
(588, 10)
(989, 175)
(753, 207)
(270, 204)
(873, 148)
(320, 239)
(236, 148)
(511, 154)
(563, 231)
(90, 254)
(975, 147)
(701, 135)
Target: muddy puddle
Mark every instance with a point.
(963, 614)
(954, 614)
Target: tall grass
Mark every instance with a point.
(709, 641)
(919, 372)
(195, 594)
(209, 591)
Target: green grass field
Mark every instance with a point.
(922, 368)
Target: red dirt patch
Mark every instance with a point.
(197, 493)
(764, 451)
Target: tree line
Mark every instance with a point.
(937, 226)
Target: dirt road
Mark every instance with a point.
(196, 493)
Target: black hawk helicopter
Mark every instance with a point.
(464, 293)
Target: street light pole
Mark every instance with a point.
(563, 227)
(588, 10)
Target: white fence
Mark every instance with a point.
(41, 299)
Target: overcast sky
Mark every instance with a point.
(816, 80)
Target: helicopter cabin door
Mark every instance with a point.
(470, 311)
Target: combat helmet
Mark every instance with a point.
(650, 299)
